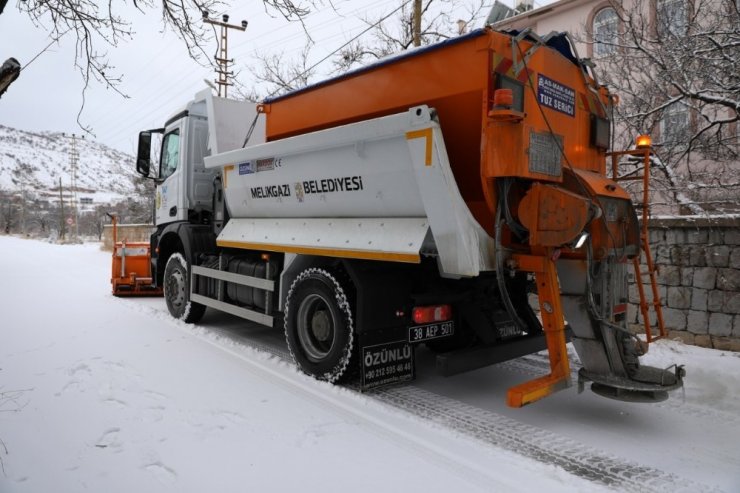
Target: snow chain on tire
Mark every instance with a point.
(339, 370)
(191, 312)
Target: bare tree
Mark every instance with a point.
(99, 26)
(39, 219)
(281, 76)
(390, 33)
(677, 77)
(439, 20)
(8, 211)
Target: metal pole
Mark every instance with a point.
(222, 60)
(74, 157)
(417, 23)
(61, 215)
(23, 206)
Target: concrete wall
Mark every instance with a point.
(699, 280)
(128, 232)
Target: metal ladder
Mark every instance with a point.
(652, 272)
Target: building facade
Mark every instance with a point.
(674, 63)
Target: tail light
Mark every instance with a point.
(517, 92)
(503, 98)
(430, 314)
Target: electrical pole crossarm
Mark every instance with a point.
(222, 58)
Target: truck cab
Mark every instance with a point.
(184, 187)
(185, 190)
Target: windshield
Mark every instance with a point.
(170, 154)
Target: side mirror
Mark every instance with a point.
(143, 154)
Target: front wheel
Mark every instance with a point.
(177, 291)
(319, 325)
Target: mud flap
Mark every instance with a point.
(387, 359)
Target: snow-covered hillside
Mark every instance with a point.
(35, 161)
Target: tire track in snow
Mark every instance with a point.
(535, 443)
(479, 424)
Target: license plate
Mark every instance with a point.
(420, 333)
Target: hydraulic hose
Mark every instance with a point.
(503, 289)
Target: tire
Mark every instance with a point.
(177, 291)
(319, 325)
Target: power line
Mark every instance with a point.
(382, 19)
(121, 125)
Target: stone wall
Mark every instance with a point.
(698, 261)
(128, 232)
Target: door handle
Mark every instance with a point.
(173, 211)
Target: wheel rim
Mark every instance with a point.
(175, 288)
(316, 327)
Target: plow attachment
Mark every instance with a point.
(131, 267)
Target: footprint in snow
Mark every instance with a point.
(116, 402)
(79, 373)
(155, 395)
(153, 414)
(80, 370)
(110, 440)
(164, 474)
(231, 417)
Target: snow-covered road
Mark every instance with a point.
(106, 394)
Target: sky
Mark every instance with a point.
(158, 75)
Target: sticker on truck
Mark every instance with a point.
(329, 185)
(270, 191)
(266, 164)
(556, 96)
(246, 168)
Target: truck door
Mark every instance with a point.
(169, 204)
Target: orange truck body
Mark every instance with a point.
(458, 79)
(514, 110)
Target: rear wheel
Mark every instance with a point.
(177, 291)
(319, 325)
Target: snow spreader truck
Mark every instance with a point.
(424, 199)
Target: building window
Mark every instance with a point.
(672, 17)
(605, 31)
(674, 126)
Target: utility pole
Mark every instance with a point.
(461, 27)
(74, 157)
(23, 205)
(222, 59)
(417, 23)
(62, 227)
